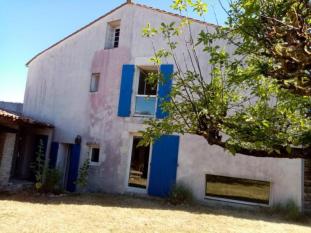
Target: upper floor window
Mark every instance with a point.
(94, 82)
(116, 37)
(146, 97)
(113, 35)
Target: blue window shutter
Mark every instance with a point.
(53, 155)
(124, 109)
(165, 88)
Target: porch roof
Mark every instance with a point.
(17, 118)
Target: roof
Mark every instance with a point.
(18, 118)
(110, 12)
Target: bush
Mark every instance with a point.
(180, 194)
(289, 210)
(51, 183)
(83, 175)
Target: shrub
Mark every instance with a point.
(83, 174)
(38, 166)
(289, 210)
(180, 194)
(51, 183)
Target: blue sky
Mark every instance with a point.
(29, 26)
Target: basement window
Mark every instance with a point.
(94, 82)
(237, 190)
(146, 97)
(113, 35)
(94, 155)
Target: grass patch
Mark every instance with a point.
(289, 210)
(115, 213)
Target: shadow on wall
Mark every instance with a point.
(136, 202)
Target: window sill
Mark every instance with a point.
(93, 164)
(235, 201)
(110, 48)
(144, 116)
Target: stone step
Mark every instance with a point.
(307, 206)
(307, 191)
(307, 162)
(307, 198)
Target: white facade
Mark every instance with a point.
(57, 92)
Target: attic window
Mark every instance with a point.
(116, 38)
(113, 35)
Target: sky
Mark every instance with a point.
(30, 26)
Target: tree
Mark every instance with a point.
(279, 30)
(244, 106)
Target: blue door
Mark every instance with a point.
(53, 155)
(163, 165)
(73, 170)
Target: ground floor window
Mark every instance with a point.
(139, 165)
(238, 189)
(94, 155)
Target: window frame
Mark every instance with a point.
(138, 69)
(94, 76)
(133, 135)
(114, 36)
(111, 34)
(91, 148)
(230, 200)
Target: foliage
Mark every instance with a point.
(83, 174)
(180, 194)
(38, 165)
(280, 31)
(289, 210)
(51, 183)
(47, 180)
(236, 104)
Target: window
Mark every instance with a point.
(94, 155)
(146, 98)
(116, 37)
(139, 165)
(94, 82)
(113, 35)
(245, 190)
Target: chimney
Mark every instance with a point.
(129, 1)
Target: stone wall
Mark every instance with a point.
(7, 140)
